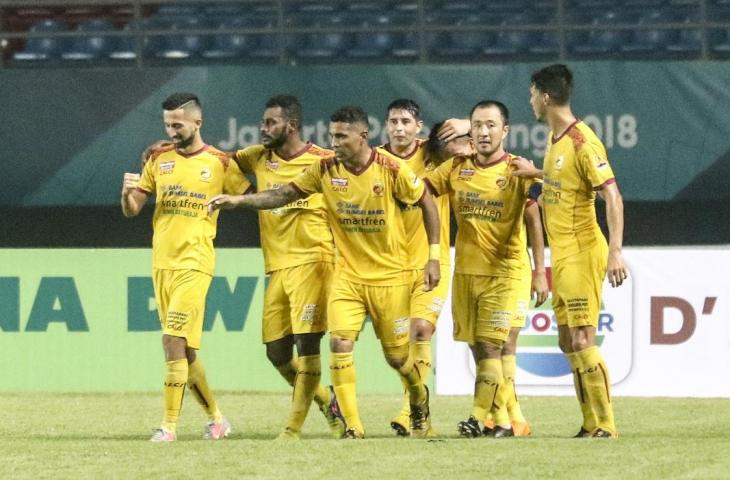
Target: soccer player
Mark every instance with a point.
(361, 190)
(489, 204)
(183, 177)
(404, 123)
(299, 258)
(575, 169)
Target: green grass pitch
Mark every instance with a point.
(105, 436)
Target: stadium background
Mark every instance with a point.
(81, 88)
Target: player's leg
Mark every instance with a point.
(522, 286)
(276, 330)
(389, 310)
(345, 317)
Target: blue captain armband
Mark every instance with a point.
(535, 191)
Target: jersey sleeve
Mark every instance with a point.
(310, 180)
(247, 157)
(148, 181)
(440, 179)
(593, 164)
(408, 187)
(235, 182)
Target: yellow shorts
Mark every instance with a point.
(523, 289)
(428, 305)
(295, 301)
(482, 307)
(350, 302)
(577, 286)
(180, 296)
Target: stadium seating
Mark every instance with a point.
(601, 40)
(464, 44)
(688, 41)
(185, 45)
(512, 42)
(231, 45)
(323, 45)
(650, 40)
(43, 48)
(372, 44)
(91, 47)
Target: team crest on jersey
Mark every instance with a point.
(466, 174)
(600, 162)
(272, 164)
(167, 167)
(501, 182)
(205, 174)
(559, 162)
(378, 189)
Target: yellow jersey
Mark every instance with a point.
(417, 241)
(366, 219)
(489, 205)
(183, 184)
(299, 232)
(576, 165)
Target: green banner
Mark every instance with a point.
(85, 320)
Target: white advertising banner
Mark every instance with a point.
(664, 332)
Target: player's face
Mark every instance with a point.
(274, 128)
(537, 101)
(488, 130)
(347, 140)
(181, 126)
(460, 146)
(402, 128)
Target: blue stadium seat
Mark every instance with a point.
(43, 48)
(231, 45)
(464, 44)
(323, 45)
(512, 42)
(270, 45)
(185, 45)
(369, 44)
(599, 41)
(125, 48)
(651, 40)
(546, 42)
(91, 47)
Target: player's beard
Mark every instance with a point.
(274, 142)
(184, 143)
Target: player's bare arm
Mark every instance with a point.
(454, 128)
(432, 270)
(522, 167)
(256, 201)
(133, 199)
(616, 270)
(537, 242)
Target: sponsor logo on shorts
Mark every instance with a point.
(401, 327)
(167, 167)
(176, 320)
(437, 304)
(310, 312)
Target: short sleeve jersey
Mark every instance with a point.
(299, 232)
(489, 205)
(575, 167)
(183, 185)
(365, 214)
(417, 245)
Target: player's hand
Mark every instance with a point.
(616, 268)
(522, 167)
(130, 182)
(155, 146)
(539, 287)
(431, 275)
(453, 128)
(223, 202)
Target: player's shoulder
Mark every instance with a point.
(320, 152)
(584, 138)
(221, 156)
(251, 151)
(157, 152)
(388, 162)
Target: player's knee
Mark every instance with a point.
(565, 345)
(308, 344)
(579, 343)
(278, 355)
(421, 330)
(342, 341)
(396, 356)
(396, 362)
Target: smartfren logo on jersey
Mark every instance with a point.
(539, 358)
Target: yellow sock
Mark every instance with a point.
(198, 384)
(405, 408)
(509, 369)
(597, 387)
(342, 371)
(486, 386)
(175, 378)
(322, 396)
(288, 371)
(589, 417)
(307, 381)
(420, 352)
(411, 378)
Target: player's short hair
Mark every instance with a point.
(181, 99)
(350, 114)
(555, 80)
(434, 145)
(503, 110)
(405, 104)
(290, 107)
